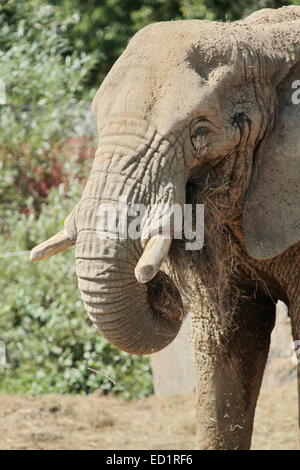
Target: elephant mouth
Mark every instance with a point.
(164, 297)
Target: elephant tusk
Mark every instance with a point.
(56, 244)
(154, 254)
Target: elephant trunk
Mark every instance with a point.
(137, 318)
(133, 304)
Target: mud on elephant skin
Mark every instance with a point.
(202, 112)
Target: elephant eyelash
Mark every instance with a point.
(197, 138)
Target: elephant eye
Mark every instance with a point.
(200, 132)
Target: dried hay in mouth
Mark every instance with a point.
(212, 268)
(164, 297)
(198, 279)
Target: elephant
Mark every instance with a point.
(198, 112)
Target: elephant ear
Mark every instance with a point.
(271, 218)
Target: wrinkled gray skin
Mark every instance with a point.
(192, 101)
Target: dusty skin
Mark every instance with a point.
(95, 422)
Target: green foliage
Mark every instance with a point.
(43, 90)
(105, 27)
(50, 343)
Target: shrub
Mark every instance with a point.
(50, 342)
(44, 102)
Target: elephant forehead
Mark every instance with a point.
(171, 41)
(150, 78)
(153, 92)
(150, 84)
(197, 45)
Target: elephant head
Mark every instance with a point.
(187, 98)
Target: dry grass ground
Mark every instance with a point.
(96, 422)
